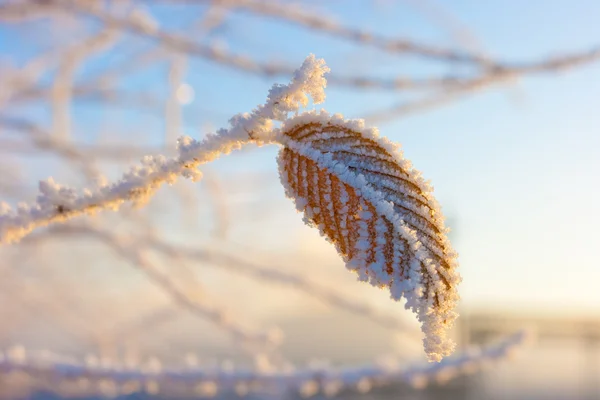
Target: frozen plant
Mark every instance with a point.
(355, 187)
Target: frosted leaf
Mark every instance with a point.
(366, 199)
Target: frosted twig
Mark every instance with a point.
(497, 73)
(456, 29)
(22, 80)
(213, 19)
(421, 104)
(197, 304)
(219, 205)
(178, 42)
(173, 114)
(283, 276)
(95, 83)
(500, 75)
(270, 274)
(58, 306)
(57, 203)
(491, 70)
(307, 381)
(87, 153)
(43, 140)
(63, 81)
(315, 22)
(318, 23)
(24, 11)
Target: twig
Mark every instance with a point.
(197, 304)
(307, 381)
(57, 203)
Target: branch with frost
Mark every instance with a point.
(278, 275)
(306, 381)
(80, 154)
(44, 141)
(62, 86)
(58, 203)
(219, 205)
(95, 85)
(502, 74)
(198, 304)
(13, 81)
(61, 306)
(175, 42)
(447, 87)
(229, 262)
(314, 21)
(298, 15)
(282, 276)
(24, 11)
(491, 70)
(67, 60)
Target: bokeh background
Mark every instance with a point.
(496, 102)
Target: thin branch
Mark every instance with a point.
(283, 276)
(493, 71)
(311, 20)
(500, 76)
(44, 141)
(198, 304)
(306, 381)
(177, 42)
(62, 86)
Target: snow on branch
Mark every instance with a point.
(297, 15)
(43, 141)
(306, 381)
(282, 276)
(450, 89)
(271, 274)
(140, 25)
(198, 304)
(489, 71)
(58, 203)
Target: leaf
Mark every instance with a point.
(366, 199)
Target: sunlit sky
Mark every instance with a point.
(516, 169)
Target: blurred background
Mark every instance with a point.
(495, 102)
